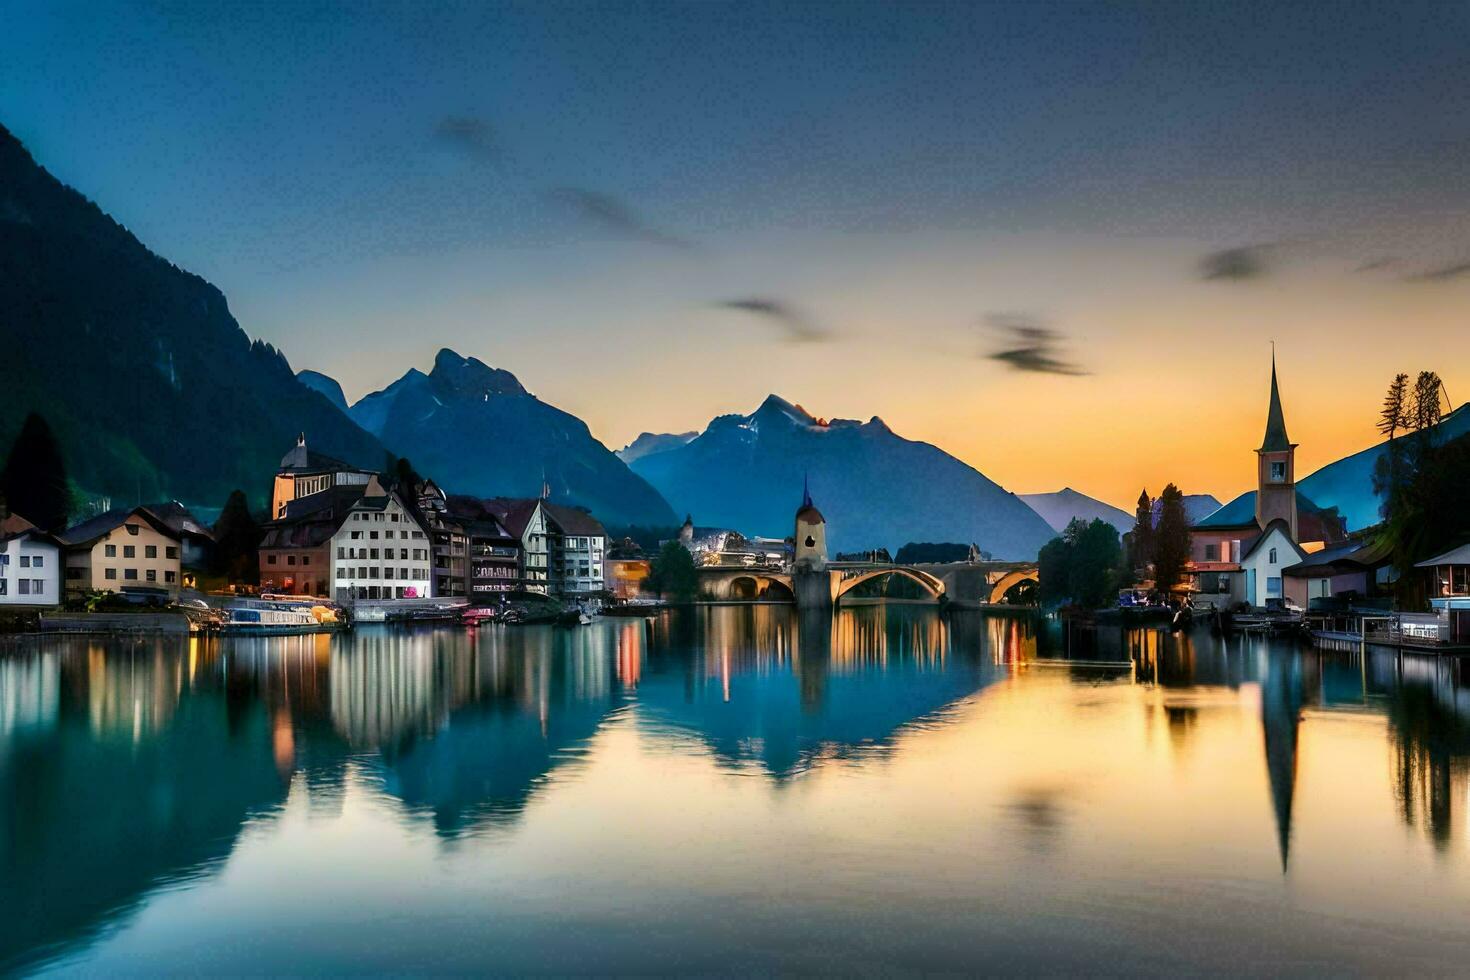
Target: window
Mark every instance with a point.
(1273, 586)
(109, 573)
(306, 559)
(130, 551)
(373, 535)
(1278, 472)
(170, 552)
(341, 553)
(4, 586)
(403, 554)
(356, 535)
(290, 559)
(38, 586)
(1224, 582)
(132, 529)
(38, 561)
(109, 550)
(25, 586)
(152, 575)
(169, 576)
(1212, 552)
(131, 574)
(270, 559)
(388, 533)
(150, 551)
(373, 553)
(1271, 556)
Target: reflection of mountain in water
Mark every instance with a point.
(761, 689)
(138, 777)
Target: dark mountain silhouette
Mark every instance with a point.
(875, 488)
(325, 386)
(152, 388)
(475, 430)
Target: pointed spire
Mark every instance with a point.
(1275, 440)
(806, 492)
(301, 439)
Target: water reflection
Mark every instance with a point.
(130, 767)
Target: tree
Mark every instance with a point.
(1171, 540)
(1079, 566)
(34, 480)
(1426, 414)
(1395, 414)
(1141, 538)
(237, 542)
(672, 573)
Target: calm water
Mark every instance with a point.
(728, 791)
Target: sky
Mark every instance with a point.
(654, 214)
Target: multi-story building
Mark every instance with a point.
(527, 523)
(381, 551)
(475, 556)
(305, 472)
(295, 550)
(30, 564)
(196, 541)
(122, 550)
(577, 545)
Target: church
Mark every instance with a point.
(1237, 554)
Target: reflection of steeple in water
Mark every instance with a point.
(1281, 705)
(856, 681)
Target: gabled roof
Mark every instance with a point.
(1240, 514)
(1455, 556)
(178, 518)
(1348, 556)
(1277, 525)
(15, 526)
(514, 514)
(572, 520)
(92, 530)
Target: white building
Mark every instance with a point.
(578, 543)
(1263, 561)
(381, 552)
(30, 564)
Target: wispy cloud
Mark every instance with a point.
(1237, 264)
(1446, 273)
(797, 326)
(1375, 265)
(1029, 345)
(470, 136)
(612, 215)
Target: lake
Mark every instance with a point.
(731, 790)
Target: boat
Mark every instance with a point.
(277, 615)
(475, 615)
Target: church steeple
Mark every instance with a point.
(1276, 440)
(1276, 466)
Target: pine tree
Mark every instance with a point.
(1141, 538)
(1395, 414)
(1171, 540)
(34, 480)
(1426, 412)
(237, 542)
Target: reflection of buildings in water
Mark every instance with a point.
(758, 706)
(109, 801)
(30, 688)
(630, 643)
(1429, 718)
(1281, 707)
(388, 686)
(1012, 639)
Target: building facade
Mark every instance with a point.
(122, 550)
(381, 551)
(304, 472)
(577, 549)
(30, 564)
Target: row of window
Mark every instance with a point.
(131, 551)
(372, 571)
(388, 535)
(26, 561)
(380, 517)
(131, 574)
(419, 554)
(270, 559)
(24, 586)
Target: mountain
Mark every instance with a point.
(1348, 483)
(875, 488)
(325, 386)
(152, 388)
(1058, 509)
(1197, 506)
(649, 443)
(475, 430)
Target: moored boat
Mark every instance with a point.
(270, 615)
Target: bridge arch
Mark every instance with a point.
(1009, 580)
(931, 584)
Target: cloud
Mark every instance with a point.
(797, 326)
(1236, 264)
(470, 136)
(1374, 265)
(1443, 274)
(614, 216)
(1030, 345)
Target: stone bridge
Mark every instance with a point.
(968, 583)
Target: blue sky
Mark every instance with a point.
(369, 182)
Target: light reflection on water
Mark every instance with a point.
(728, 791)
